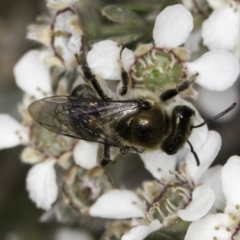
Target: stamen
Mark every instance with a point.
(149, 60)
(173, 61)
(142, 62)
(167, 207)
(173, 207)
(139, 191)
(184, 177)
(185, 191)
(153, 52)
(160, 212)
(137, 78)
(149, 217)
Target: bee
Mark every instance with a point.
(133, 120)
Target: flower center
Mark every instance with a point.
(163, 201)
(156, 69)
(50, 144)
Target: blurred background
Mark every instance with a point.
(19, 218)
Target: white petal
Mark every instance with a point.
(218, 70)
(118, 204)
(140, 232)
(221, 29)
(202, 201)
(41, 184)
(188, 4)
(85, 154)
(104, 58)
(212, 103)
(206, 155)
(159, 163)
(32, 75)
(212, 178)
(199, 135)
(172, 26)
(230, 181)
(67, 46)
(60, 4)
(205, 228)
(217, 4)
(72, 234)
(12, 132)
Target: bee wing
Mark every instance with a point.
(87, 119)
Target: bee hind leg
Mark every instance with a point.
(109, 154)
(106, 155)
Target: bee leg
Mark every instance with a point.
(125, 80)
(175, 91)
(97, 85)
(106, 153)
(109, 154)
(83, 91)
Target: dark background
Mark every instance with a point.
(18, 215)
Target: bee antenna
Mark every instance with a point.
(194, 153)
(217, 116)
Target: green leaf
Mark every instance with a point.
(122, 15)
(128, 38)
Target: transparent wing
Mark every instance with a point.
(88, 119)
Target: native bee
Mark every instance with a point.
(133, 120)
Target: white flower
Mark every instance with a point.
(60, 4)
(221, 29)
(165, 61)
(72, 234)
(155, 205)
(222, 226)
(42, 146)
(62, 37)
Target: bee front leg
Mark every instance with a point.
(175, 91)
(96, 83)
(125, 79)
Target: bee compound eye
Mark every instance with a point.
(185, 112)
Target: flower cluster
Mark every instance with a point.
(66, 172)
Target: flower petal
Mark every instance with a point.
(212, 178)
(202, 201)
(217, 4)
(205, 228)
(72, 234)
(212, 103)
(224, 37)
(85, 154)
(159, 163)
(172, 26)
(230, 182)
(118, 204)
(140, 232)
(206, 155)
(104, 57)
(12, 132)
(60, 4)
(32, 75)
(41, 184)
(68, 42)
(217, 69)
